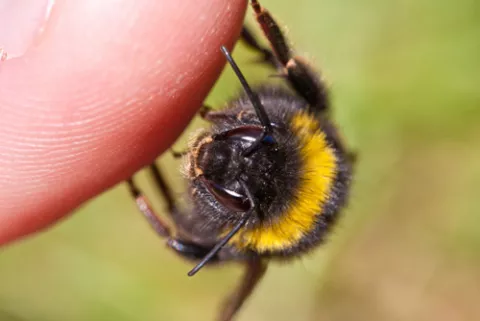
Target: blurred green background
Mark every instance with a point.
(405, 78)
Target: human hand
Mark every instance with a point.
(103, 89)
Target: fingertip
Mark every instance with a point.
(103, 93)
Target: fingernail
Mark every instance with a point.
(21, 21)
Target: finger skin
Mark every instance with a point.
(107, 87)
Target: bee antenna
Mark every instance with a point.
(257, 105)
(227, 237)
(220, 244)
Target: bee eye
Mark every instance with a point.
(246, 133)
(250, 134)
(228, 198)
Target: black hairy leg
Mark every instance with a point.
(301, 76)
(163, 187)
(166, 193)
(158, 225)
(267, 55)
(255, 268)
(209, 114)
(177, 154)
(183, 248)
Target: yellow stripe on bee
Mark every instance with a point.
(317, 174)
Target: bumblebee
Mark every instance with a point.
(267, 180)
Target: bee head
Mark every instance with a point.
(236, 158)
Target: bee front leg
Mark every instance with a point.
(254, 271)
(209, 114)
(267, 55)
(158, 225)
(186, 249)
(301, 76)
(178, 155)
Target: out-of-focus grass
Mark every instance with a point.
(405, 81)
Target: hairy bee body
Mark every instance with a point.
(298, 203)
(267, 180)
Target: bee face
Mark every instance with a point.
(218, 165)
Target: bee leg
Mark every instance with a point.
(254, 271)
(158, 225)
(178, 217)
(209, 114)
(188, 250)
(164, 188)
(177, 155)
(268, 57)
(301, 76)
